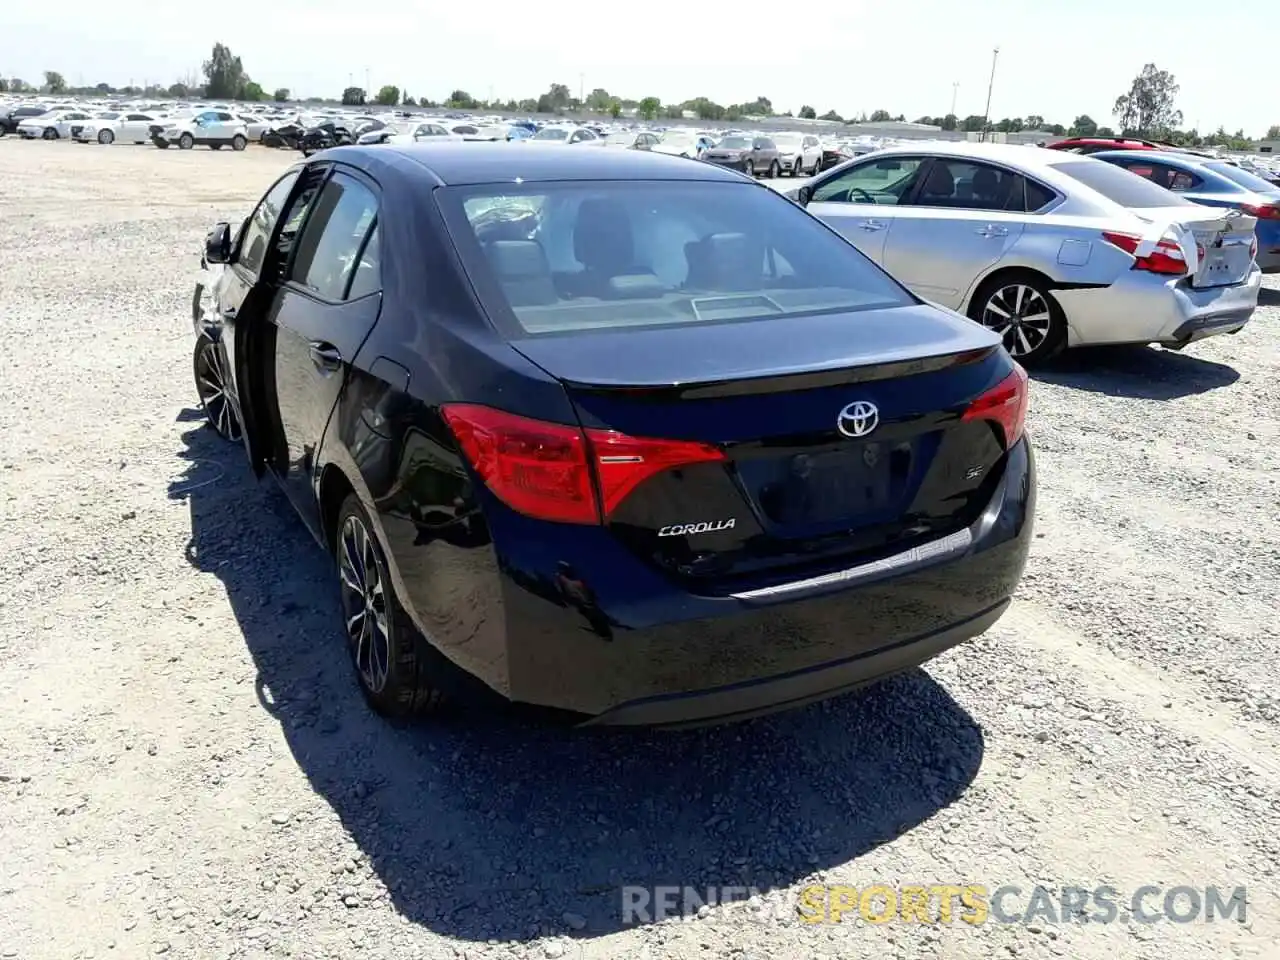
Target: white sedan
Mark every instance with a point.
(108, 127)
(54, 125)
(254, 125)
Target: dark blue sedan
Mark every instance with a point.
(611, 432)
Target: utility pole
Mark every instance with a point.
(986, 114)
(367, 93)
(955, 88)
(580, 87)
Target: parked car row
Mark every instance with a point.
(1052, 249)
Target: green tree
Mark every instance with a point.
(949, 122)
(1035, 122)
(1273, 132)
(555, 100)
(461, 100)
(388, 96)
(1149, 106)
(832, 115)
(808, 113)
(353, 97)
(648, 108)
(1083, 126)
(410, 102)
(281, 95)
(615, 108)
(4, 85)
(252, 91)
(973, 123)
(179, 91)
(1104, 132)
(599, 100)
(880, 116)
(55, 82)
(225, 78)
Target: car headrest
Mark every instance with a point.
(517, 259)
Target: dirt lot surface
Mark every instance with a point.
(187, 769)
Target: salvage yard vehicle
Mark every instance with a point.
(1048, 248)
(106, 128)
(665, 418)
(753, 155)
(1214, 183)
(54, 125)
(211, 128)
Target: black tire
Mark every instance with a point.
(215, 146)
(186, 142)
(798, 169)
(162, 144)
(106, 137)
(208, 362)
(775, 170)
(749, 168)
(50, 133)
(1020, 307)
(238, 143)
(386, 649)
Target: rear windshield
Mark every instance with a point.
(735, 143)
(1120, 186)
(1242, 177)
(554, 258)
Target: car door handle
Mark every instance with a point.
(872, 224)
(325, 356)
(991, 230)
(228, 313)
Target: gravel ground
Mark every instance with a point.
(187, 768)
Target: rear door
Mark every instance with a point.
(954, 228)
(328, 304)
(861, 202)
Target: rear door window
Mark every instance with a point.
(258, 228)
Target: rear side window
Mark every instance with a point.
(1037, 196)
(1119, 185)
(261, 223)
(565, 257)
(1240, 177)
(333, 237)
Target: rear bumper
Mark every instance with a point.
(642, 650)
(1269, 261)
(1146, 308)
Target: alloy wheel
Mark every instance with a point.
(211, 385)
(1020, 314)
(364, 604)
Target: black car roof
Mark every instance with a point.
(488, 162)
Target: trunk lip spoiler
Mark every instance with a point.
(791, 381)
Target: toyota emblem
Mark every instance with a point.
(858, 419)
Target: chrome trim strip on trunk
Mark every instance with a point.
(947, 546)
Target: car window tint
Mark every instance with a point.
(886, 180)
(258, 228)
(1241, 177)
(964, 185)
(556, 258)
(367, 277)
(343, 214)
(1037, 196)
(1119, 185)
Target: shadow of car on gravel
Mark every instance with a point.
(493, 827)
(1136, 372)
(1269, 297)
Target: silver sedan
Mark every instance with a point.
(1049, 249)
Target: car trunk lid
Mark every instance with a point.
(1218, 242)
(843, 436)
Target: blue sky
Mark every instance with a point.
(1057, 58)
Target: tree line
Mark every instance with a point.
(1147, 109)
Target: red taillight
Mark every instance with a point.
(1166, 258)
(1264, 212)
(550, 470)
(1004, 404)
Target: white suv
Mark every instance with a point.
(212, 128)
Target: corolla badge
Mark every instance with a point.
(705, 526)
(858, 419)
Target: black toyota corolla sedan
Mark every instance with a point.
(611, 432)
